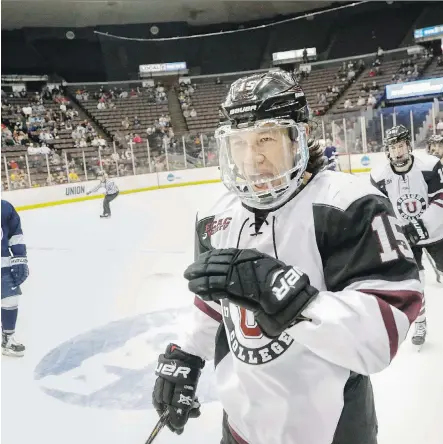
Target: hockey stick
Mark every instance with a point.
(158, 427)
(437, 273)
(162, 422)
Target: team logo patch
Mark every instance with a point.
(247, 341)
(411, 206)
(113, 366)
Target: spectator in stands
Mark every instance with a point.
(193, 112)
(123, 95)
(439, 61)
(305, 55)
(136, 123)
(27, 110)
(374, 86)
(218, 81)
(361, 101)
(351, 75)
(322, 100)
(364, 88)
(371, 100)
(137, 139)
(73, 176)
(439, 126)
(125, 123)
(186, 113)
(348, 104)
(101, 105)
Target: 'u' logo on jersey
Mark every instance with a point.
(411, 206)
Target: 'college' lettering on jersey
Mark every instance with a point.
(263, 352)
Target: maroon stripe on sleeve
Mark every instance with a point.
(408, 302)
(438, 196)
(236, 436)
(205, 308)
(391, 327)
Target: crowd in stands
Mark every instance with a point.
(185, 92)
(41, 130)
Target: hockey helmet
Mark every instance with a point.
(435, 145)
(398, 146)
(262, 138)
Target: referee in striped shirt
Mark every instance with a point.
(111, 192)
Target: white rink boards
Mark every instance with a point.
(104, 298)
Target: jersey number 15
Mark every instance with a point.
(391, 238)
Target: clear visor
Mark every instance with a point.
(260, 161)
(399, 152)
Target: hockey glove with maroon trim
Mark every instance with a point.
(177, 374)
(276, 293)
(415, 231)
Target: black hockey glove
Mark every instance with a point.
(415, 231)
(178, 374)
(276, 293)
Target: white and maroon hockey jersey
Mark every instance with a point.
(417, 193)
(341, 231)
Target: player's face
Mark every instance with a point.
(262, 154)
(399, 152)
(436, 149)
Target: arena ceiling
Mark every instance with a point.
(78, 13)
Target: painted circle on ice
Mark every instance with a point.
(113, 366)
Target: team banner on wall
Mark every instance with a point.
(414, 89)
(295, 55)
(429, 33)
(162, 67)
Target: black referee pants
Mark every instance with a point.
(108, 198)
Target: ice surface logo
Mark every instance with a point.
(113, 366)
(411, 206)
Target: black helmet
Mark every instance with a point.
(435, 145)
(271, 95)
(262, 139)
(397, 134)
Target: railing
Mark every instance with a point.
(23, 170)
(352, 133)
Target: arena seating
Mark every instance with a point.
(64, 139)
(388, 69)
(133, 106)
(207, 98)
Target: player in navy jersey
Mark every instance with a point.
(414, 185)
(111, 192)
(304, 282)
(14, 273)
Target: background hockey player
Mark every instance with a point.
(331, 155)
(14, 273)
(111, 192)
(435, 146)
(415, 187)
(301, 294)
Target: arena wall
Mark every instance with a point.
(31, 198)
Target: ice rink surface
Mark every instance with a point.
(105, 297)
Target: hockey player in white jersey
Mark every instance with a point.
(414, 186)
(305, 284)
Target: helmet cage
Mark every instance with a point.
(262, 193)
